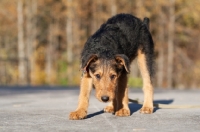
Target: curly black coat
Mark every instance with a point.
(121, 34)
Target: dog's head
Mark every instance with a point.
(105, 74)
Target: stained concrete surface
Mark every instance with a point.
(46, 109)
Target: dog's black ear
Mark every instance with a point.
(88, 60)
(123, 61)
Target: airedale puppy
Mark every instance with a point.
(106, 59)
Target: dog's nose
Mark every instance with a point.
(104, 98)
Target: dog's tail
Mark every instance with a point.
(146, 22)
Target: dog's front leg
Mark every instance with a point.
(110, 107)
(121, 107)
(85, 88)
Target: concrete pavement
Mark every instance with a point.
(46, 109)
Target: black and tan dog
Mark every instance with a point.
(106, 59)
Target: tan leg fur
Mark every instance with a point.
(110, 107)
(147, 107)
(122, 108)
(85, 88)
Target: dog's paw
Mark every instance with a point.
(109, 109)
(123, 112)
(78, 115)
(146, 110)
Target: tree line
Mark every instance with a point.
(41, 40)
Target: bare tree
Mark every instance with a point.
(21, 46)
(113, 7)
(31, 32)
(170, 43)
(49, 54)
(139, 8)
(161, 40)
(69, 39)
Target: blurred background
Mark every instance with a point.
(41, 40)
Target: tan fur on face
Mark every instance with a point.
(115, 89)
(105, 85)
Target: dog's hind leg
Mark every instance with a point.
(85, 88)
(147, 107)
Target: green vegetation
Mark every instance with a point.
(135, 82)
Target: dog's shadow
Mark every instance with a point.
(135, 107)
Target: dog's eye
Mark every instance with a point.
(112, 77)
(97, 76)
